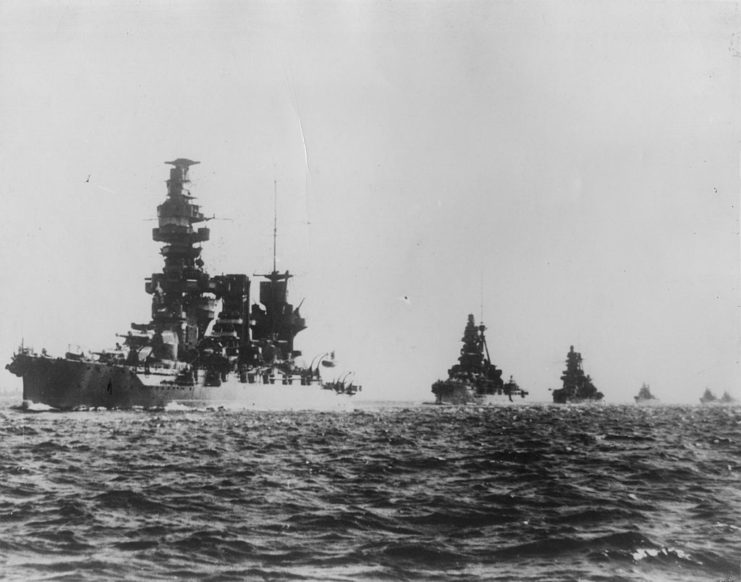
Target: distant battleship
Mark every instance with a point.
(709, 398)
(475, 379)
(644, 395)
(187, 353)
(577, 387)
(727, 398)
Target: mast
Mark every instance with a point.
(481, 318)
(275, 223)
(482, 328)
(275, 319)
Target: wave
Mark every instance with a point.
(425, 493)
(31, 406)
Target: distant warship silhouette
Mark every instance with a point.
(709, 398)
(577, 386)
(644, 395)
(475, 378)
(188, 353)
(727, 398)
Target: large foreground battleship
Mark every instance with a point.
(204, 344)
(577, 386)
(475, 378)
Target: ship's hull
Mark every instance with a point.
(456, 392)
(645, 401)
(562, 396)
(717, 401)
(71, 384)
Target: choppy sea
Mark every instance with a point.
(383, 492)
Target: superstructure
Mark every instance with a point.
(205, 341)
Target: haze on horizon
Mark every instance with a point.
(577, 162)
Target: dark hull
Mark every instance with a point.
(643, 400)
(456, 392)
(711, 401)
(453, 393)
(70, 384)
(561, 396)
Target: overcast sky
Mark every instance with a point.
(576, 161)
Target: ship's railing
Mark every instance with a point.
(268, 376)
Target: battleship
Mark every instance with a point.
(709, 398)
(727, 399)
(204, 344)
(577, 386)
(644, 395)
(475, 379)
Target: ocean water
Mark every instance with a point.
(526, 492)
